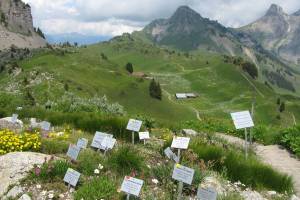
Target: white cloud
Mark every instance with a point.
(111, 27)
(112, 17)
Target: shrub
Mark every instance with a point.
(251, 69)
(291, 139)
(249, 171)
(162, 173)
(51, 170)
(88, 161)
(10, 142)
(54, 146)
(98, 188)
(155, 90)
(129, 67)
(126, 160)
(231, 196)
(90, 122)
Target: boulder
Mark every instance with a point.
(189, 132)
(25, 197)
(294, 197)
(15, 166)
(7, 123)
(14, 192)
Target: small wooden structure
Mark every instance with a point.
(186, 95)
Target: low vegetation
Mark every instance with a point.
(97, 188)
(291, 139)
(249, 171)
(126, 160)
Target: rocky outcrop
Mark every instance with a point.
(15, 166)
(16, 26)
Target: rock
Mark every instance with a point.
(51, 196)
(189, 132)
(15, 166)
(25, 197)
(212, 182)
(18, 29)
(252, 195)
(271, 193)
(294, 197)
(7, 123)
(14, 192)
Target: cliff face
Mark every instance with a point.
(16, 26)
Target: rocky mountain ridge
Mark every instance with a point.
(278, 32)
(16, 26)
(187, 30)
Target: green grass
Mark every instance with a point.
(54, 146)
(250, 172)
(86, 165)
(126, 160)
(97, 188)
(221, 86)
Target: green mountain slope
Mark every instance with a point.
(188, 31)
(223, 87)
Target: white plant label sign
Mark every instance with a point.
(242, 119)
(72, 177)
(134, 125)
(207, 194)
(183, 174)
(98, 138)
(82, 143)
(33, 121)
(14, 118)
(108, 143)
(73, 151)
(171, 155)
(45, 126)
(144, 135)
(132, 186)
(180, 142)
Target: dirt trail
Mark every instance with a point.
(275, 156)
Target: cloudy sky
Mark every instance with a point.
(114, 17)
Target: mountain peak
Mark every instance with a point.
(297, 13)
(185, 14)
(275, 10)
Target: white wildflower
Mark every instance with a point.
(96, 171)
(155, 181)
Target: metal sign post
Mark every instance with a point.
(243, 120)
(246, 143)
(132, 137)
(178, 155)
(180, 187)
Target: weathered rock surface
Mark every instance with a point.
(16, 26)
(25, 197)
(14, 192)
(15, 166)
(278, 32)
(7, 123)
